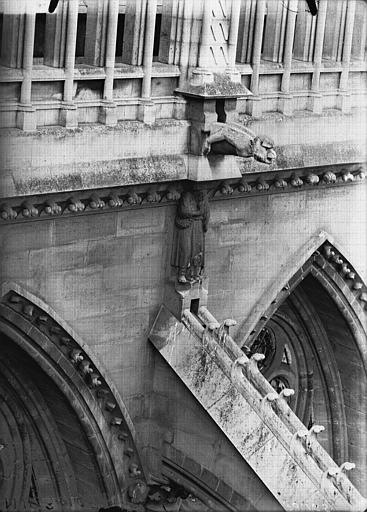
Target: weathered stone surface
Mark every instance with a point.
(163, 153)
(246, 418)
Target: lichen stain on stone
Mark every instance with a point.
(49, 183)
(226, 409)
(222, 85)
(201, 369)
(103, 173)
(60, 132)
(289, 471)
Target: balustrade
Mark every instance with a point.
(141, 51)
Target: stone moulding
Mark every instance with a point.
(87, 202)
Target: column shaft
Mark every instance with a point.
(347, 44)
(205, 35)
(148, 48)
(319, 43)
(185, 41)
(233, 32)
(113, 11)
(256, 50)
(72, 26)
(30, 22)
(348, 34)
(288, 44)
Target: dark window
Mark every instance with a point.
(120, 35)
(220, 110)
(157, 34)
(194, 306)
(263, 39)
(39, 36)
(1, 30)
(80, 34)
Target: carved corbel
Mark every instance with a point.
(280, 183)
(173, 194)
(29, 210)
(114, 201)
(244, 186)
(133, 198)
(262, 185)
(96, 202)
(75, 205)
(153, 196)
(312, 179)
(7, 212)
(329, 177)
(296, 181)
(225, 189)
(52, 208)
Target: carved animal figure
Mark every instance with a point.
(236, 139)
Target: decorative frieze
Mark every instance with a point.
(102, 200)
(355, 283)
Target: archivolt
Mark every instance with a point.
(341, 280)
(31, 325)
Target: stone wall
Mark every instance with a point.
(105, 274)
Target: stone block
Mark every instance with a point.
(19, 237)
(192, 466)
(108, 115)
(224, 490)
(147, 112)
(27, 119)
(69, 116)
(209, 479)
(76, 228)
(215, 167)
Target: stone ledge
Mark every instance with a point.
(27, 208)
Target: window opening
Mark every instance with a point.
(120, 34)
(221, 113)
(80, 35)
(264, 31)
(194, 306)
(1, 30)
(157, 35)
(39, 36)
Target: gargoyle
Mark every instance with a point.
(236, 139)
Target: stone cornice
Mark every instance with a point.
(84, 202)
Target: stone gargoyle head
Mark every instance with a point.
(263, 149)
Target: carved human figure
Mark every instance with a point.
(236, 139)
(191, 224)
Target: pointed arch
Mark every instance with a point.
(48, 343)
(325, 298)
(324, 260)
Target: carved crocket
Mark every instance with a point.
(236, 139)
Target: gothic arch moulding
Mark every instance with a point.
(43, 362)
(312, 330)
(325, 261)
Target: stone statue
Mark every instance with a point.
(191, 224)
(236, 139)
